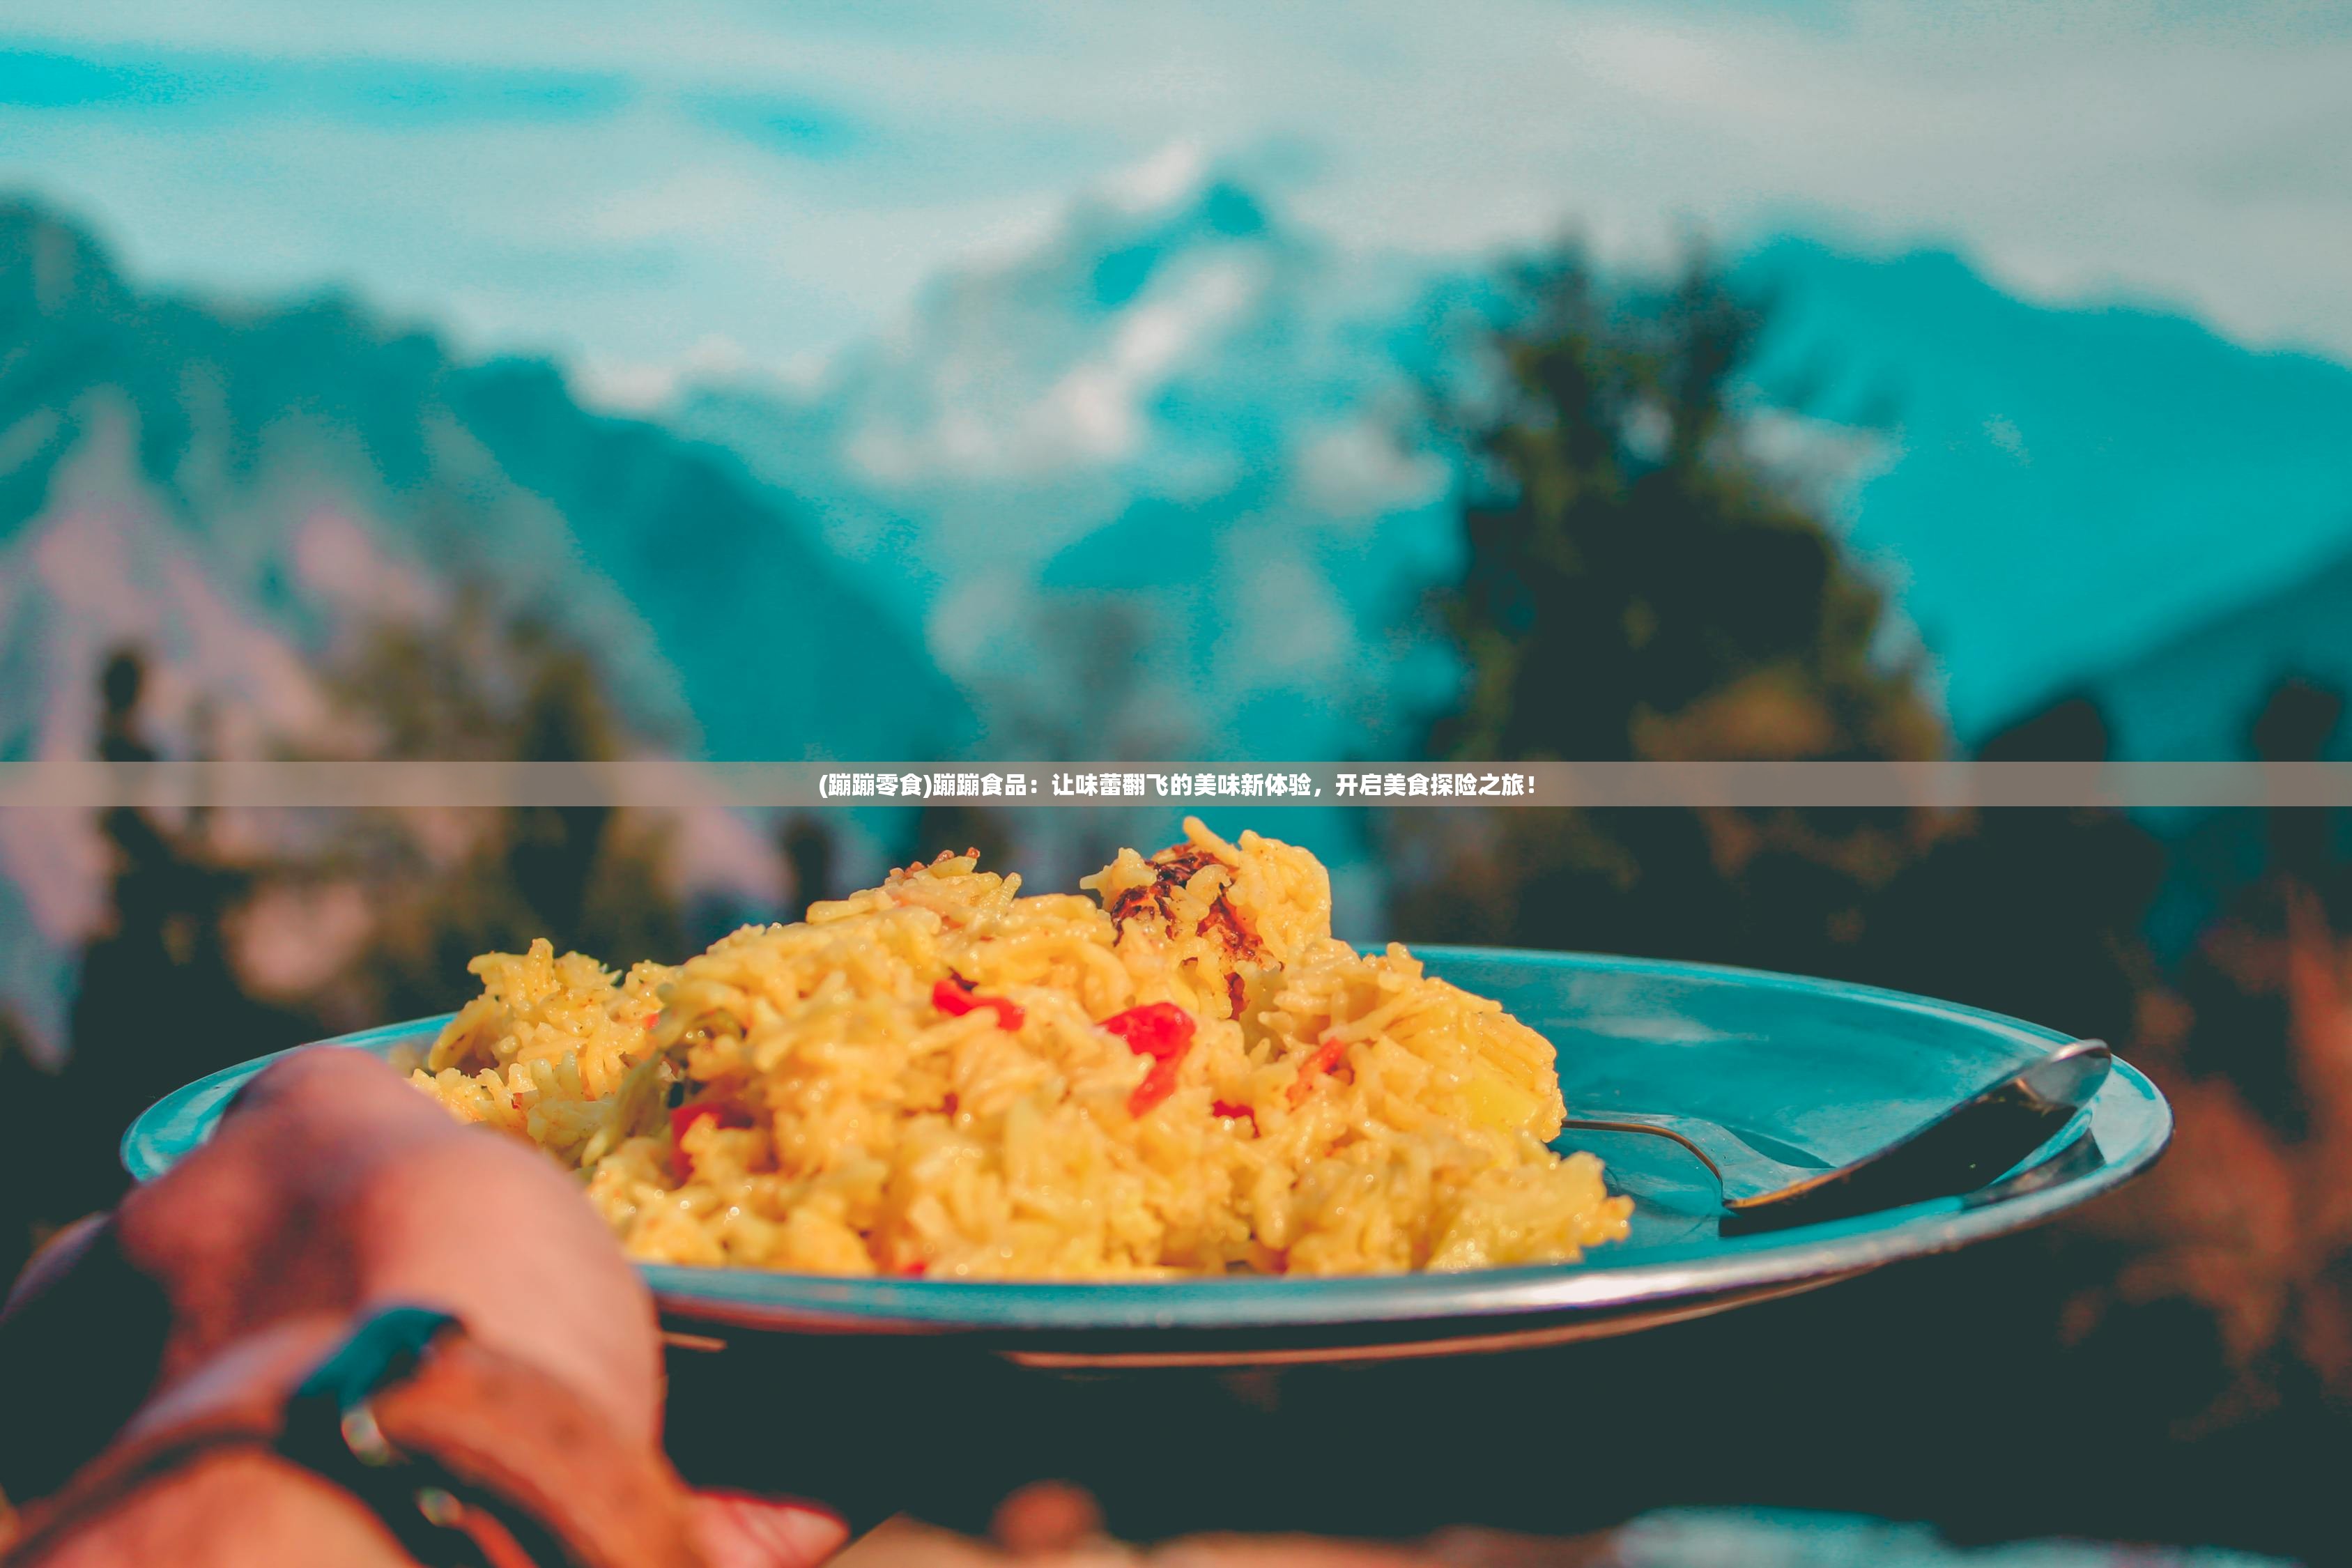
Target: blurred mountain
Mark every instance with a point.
(315, 463)
(1184, 428)
(241, 491)
(2061, 492)
(1159, 484)
(1151, 487)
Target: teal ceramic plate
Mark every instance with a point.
(1829, 1069)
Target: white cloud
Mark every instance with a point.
(2087, 147)
(1296, 633)
(1093, 410)
(641, 387)
(977, 418)
(1159, 179)
(1358, 472)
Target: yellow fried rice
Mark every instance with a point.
(938, 1076)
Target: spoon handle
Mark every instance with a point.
(1956, 1152)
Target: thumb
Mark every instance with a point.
(740, 1530)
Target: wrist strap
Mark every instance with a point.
(332, 1428)
(468, 1455)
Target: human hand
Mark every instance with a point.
(333, 1188)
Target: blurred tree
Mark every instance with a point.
(482, 684)
(2236, 978)
(1078, 690)
(813, 854)
(1639, 585)
(958, 826)
(163, 996)
(158, 1001)
(2040, 913)
(2297, 724)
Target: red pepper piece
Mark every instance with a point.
(1230, 1111)
(1325, 1057)
(1163, 1031)
(1160, 1029)
(726, 1112)
(955, 999)
(1157, 1085)
(915, 1269)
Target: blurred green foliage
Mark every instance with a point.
(167, 991)
(478, 685)
(1641, 583)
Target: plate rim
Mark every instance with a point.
(1597, 1285)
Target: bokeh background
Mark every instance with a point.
(1094, 383)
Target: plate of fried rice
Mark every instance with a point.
(1168, 1116)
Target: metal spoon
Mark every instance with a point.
(1956, 1152)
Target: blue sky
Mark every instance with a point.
(643, 189)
